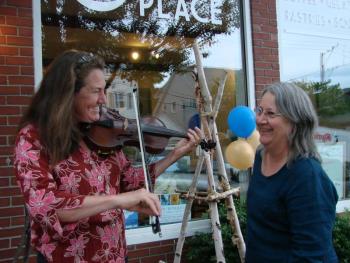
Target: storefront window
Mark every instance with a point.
(148, 45)
(314, 46)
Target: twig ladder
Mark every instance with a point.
(208, 125)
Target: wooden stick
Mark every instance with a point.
(237, 238)
(202, 80)
(186, 217)
(211, 197)
(201, 193)
(218, 97)
(214, 214)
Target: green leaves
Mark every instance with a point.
(341, 238)
(202, 245)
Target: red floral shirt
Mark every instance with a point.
(99, 238)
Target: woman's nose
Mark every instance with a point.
(260, 118)
(102, 99)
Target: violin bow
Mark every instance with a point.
(148, 182)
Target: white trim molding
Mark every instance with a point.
(37, 45)
(170, 231)
(248, 48)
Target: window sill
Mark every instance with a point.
(343, 205)
(169, 231)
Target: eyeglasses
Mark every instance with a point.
(259, 111)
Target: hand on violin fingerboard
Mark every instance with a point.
(188, 144)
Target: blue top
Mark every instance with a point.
(291, 214)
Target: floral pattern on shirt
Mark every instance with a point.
(99, 238)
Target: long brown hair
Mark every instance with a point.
(51, 109)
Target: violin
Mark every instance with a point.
(113, 131)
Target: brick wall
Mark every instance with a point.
(265, 43)
(152, 252)
(17, 87)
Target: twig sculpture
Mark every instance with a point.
(208, 117)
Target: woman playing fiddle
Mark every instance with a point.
(74, 197)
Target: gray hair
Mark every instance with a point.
(295, 105)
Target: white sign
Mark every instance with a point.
(102, 5)
(182, 10)
(172, 213)
(315, 17)
(334, 164)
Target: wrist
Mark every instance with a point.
(175, 155)
(116, 201)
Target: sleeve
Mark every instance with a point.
(133, 178)
(38, 186)
(311, 214)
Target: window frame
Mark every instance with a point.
(142, 235)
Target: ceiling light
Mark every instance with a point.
(135, 55)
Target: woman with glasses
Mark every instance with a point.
(75, 198)
(291, 201)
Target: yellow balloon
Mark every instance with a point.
(254, 139)
(240, 154)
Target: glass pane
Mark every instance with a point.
(314, 46)
(150, 47)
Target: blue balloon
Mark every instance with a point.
(241, 121)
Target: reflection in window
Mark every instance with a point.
(173, 107)
(129, 103)
(314, 47)
(119, 100)
(162, 71)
